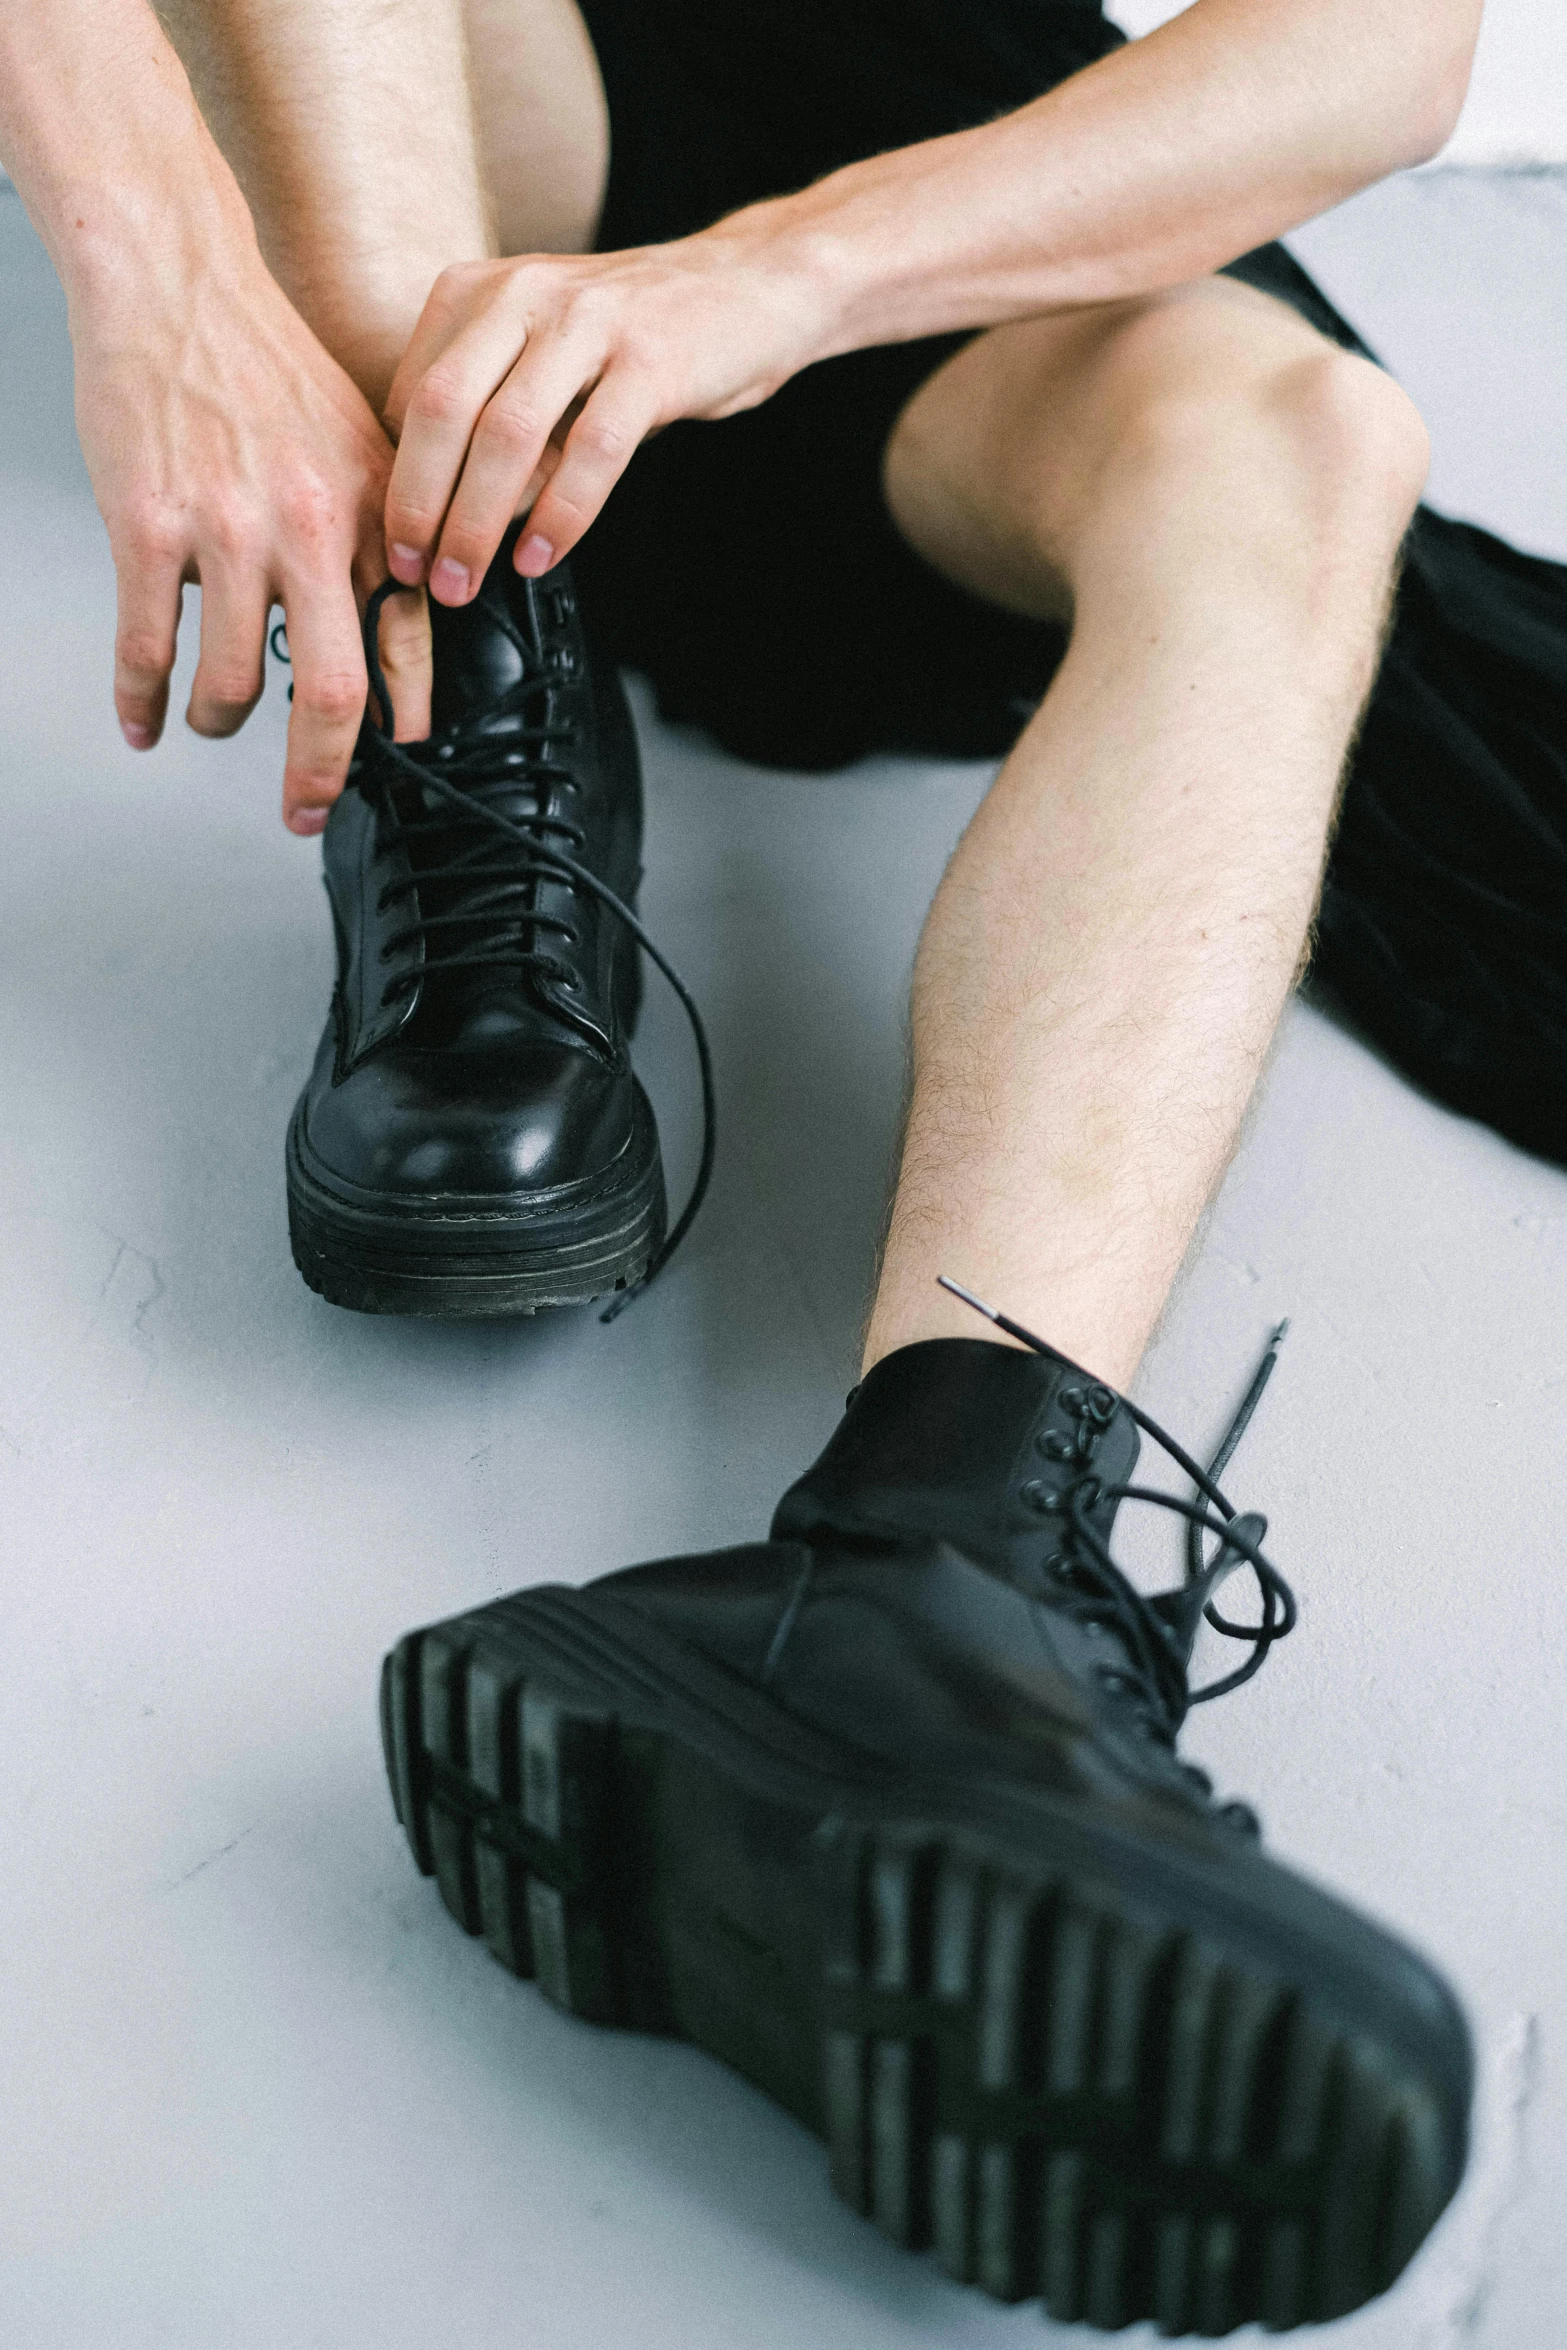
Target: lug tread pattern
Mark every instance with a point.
(1073, 2103)
(505, 1793)
(1063, 2098)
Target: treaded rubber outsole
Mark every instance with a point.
(460, 1267)
(1064, 2095)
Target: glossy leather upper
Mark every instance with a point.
(495, 1079)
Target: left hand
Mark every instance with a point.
(532, 383)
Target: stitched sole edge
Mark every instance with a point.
(427, 1263)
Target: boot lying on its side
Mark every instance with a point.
(886, 1812)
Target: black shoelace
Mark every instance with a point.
(504, 857)
(1158, 1633)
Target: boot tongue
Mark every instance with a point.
(483, 650)
(969, 1442)
(478, 660)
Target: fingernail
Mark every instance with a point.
(140, 738)
(407, 564)
(307, 822)
(450, 581)
(534, 556)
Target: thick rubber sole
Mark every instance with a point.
(457, 1261)
(1024, 2055)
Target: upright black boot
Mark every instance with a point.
(472, 1139)
(886, 1812)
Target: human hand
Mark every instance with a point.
(531, 383)
(226, 446)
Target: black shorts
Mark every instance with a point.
(751, 570)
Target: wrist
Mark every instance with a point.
(796, 254)
(135, 241)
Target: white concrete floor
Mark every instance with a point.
(255, 2089)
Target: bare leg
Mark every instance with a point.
(351, 127)
(543, 122)
(1217, 497)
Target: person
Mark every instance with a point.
(920, 378)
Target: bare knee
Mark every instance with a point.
(1356, 429)
(1307, 445)
(1058, 447)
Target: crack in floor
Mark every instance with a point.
(1499, 2194)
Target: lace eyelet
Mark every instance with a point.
(1037, 1495)
(1055, 1445)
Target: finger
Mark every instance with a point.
(403, 639)
(443, 408)
(227, 683)
(446, 311)
(403, 643)
(329, 696)
(599, 447)
(504, 456)
(148, 585)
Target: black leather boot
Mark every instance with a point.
(887, 1813)
(472, 1139)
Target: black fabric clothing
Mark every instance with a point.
(752, 570)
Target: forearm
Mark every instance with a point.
(1228, 126)
(100, 132)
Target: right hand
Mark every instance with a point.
(225, 445)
